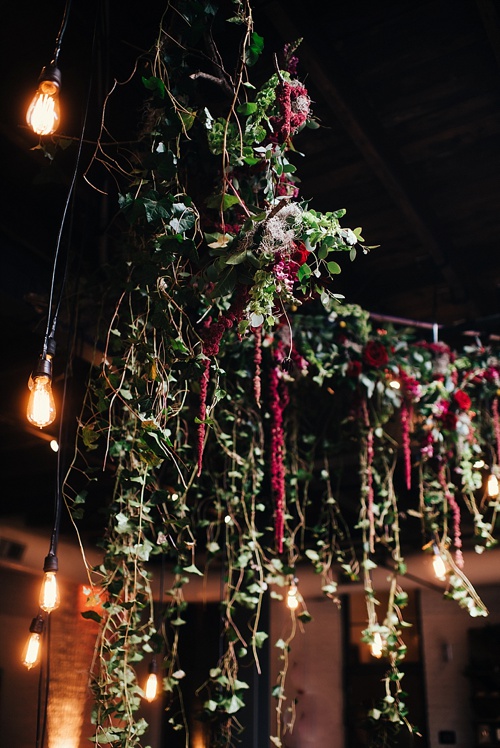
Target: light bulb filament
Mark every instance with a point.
(32, 651)
(41, 405)
(151, 690)
(43, 113)
(49, 594)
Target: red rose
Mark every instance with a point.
(300, 253)
(375, 354)
(462, 399)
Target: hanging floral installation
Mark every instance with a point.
(224, 321)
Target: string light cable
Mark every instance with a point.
(41, 406)
(49, 597)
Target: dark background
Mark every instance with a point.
(408, 96)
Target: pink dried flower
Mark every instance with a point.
(455, 510)
(370, 495)
(405, 431)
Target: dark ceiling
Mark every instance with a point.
(408, 95)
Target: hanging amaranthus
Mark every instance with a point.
(455, 510)
(278, 400)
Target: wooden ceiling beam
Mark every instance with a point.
(350, 110)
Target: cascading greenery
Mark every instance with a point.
(197, 409)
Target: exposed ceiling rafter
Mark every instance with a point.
(351, 111)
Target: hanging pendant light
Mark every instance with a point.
(43, 115)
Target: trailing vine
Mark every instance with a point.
(197, 414)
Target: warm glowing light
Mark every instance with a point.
(174, 496)
(377, 645)
(227, 519)
(32, 651)
(292, 597)
(493, 487)
(439, 566)
(43, 113)
(478, 464)
(41, 405)
(395, 384)
(49, 593)
(151, 690)
(54, 445)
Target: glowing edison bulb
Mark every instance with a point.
(292, 598)
(32, 651)
(49, 593)
(41, 405)
(439, 566)
(43, 113)
(151, 687)
(493, 487)
(377, 645)
(151, 690)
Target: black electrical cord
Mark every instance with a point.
(60, 34)
(51, 562)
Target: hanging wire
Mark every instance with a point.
(60, 34)
(52, 320)
(44, 678)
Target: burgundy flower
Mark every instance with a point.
(278, 400)
(449, 421)
(300, 253)
(354, 369)
(462, 399)
(411, 386)
(491, 374)
(293, 103)
(375, 354)
(286, 187)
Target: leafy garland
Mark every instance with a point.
(196, 410)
